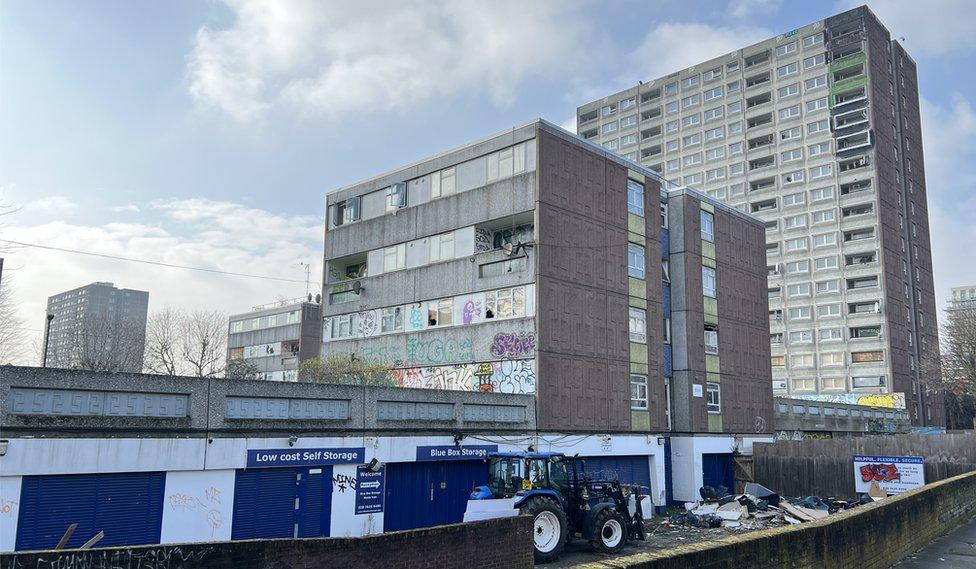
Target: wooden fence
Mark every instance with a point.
(824, 467)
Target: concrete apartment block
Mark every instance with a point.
(535, 262)
(97, 322)
(273, 339)
(816, 132)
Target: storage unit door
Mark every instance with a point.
(127, 506)
(282, 502)
(628, 469)
(718, 470)
(424, 494)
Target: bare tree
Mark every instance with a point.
(242, 369)
(345, 370)
(105, 344)
(954, 371)
(163, 345)
(186, 343)
(13, 332)
(204, 342)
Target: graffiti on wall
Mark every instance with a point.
(207, 504)
(438, 351)
(798, 435)
(888, 400)
(482, 239)
(367, 323)
(509, 376)
(417, 320)
(512, 345)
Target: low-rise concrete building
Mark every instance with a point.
(272, 340)
(535, 262)
(797, 419)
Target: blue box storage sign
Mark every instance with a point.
(451, 452)
(272, 457)
(370, 490)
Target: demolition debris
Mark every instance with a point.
(759, 507)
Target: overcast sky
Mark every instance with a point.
(207, 133)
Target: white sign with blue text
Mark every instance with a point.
(893, 474)
(464, 452)
(277, 457)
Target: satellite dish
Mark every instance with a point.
(357, 287)
(508, 249)
(318, 298)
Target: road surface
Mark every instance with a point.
(955, 550)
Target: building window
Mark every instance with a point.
(777, 361)
(342, 326)
(711, 340)
(708, 281)
(664, 216)
(866, 357)
(638, 392)
(638, 325)
(391, 319)
(396, 196)
(714, 401)
(441, 247)
(667, 330)
(394, 257)
(707, 226)
(236, 327)
(440, 312)
(635, 197)
(442, 183)
(635, 260)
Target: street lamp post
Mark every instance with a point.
(47, 337)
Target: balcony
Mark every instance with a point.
(651, 152)
(852, 118)
(857, 210)
(650, 133)
(651, 114)
(849, 97)
(761, 163)
(854, 141)
(763, 184)
(757, 80)
(855, 187)
(590, 133)
(760, 99)
(651, 95)
(845, 166)
(765, 205)
(856, 57)
(758, 121)
(760, 142)
(861, 234)
(756, 59)
(866, 259)
(588, 117)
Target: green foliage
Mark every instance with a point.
(342, 369)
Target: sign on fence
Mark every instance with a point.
(893, 474)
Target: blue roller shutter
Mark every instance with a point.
(627, 469)
(265, 501)
(718, 470)
(424, 494)
(128, 507)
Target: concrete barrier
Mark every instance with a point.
(501, 543)
(874, 536)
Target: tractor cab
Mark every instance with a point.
(515, 474)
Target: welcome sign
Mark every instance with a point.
(272, 457)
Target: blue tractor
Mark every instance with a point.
(563, 501)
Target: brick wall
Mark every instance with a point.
(495, 544)
(867, 537)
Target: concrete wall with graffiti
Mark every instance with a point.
(493, 356)
(888, 400)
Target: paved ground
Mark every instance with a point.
(955, 550)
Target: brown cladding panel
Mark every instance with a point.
(582, 286)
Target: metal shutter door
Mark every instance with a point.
(424, 494)
(315, 502)
(264, 503)
(628, 469)
(128, 507)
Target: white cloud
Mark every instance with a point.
(746, 9)
(51, 206)
(127, 208)
(950, 176)
(331, 58)
(932, 27)
(672, 46)
(196, 232)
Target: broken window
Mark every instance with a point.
(391, 319)
(440, 312)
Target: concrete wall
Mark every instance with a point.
(874, 536)
(459, 546)
(260, 405)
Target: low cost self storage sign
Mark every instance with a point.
(271, 457)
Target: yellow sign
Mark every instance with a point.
(526, 485)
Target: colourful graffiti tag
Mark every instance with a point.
(510, 376)
(880, 473)
(512, 345)
(888, 400)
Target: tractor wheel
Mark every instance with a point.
(609, 531)
(549, 527)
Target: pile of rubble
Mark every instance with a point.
(759, 507)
